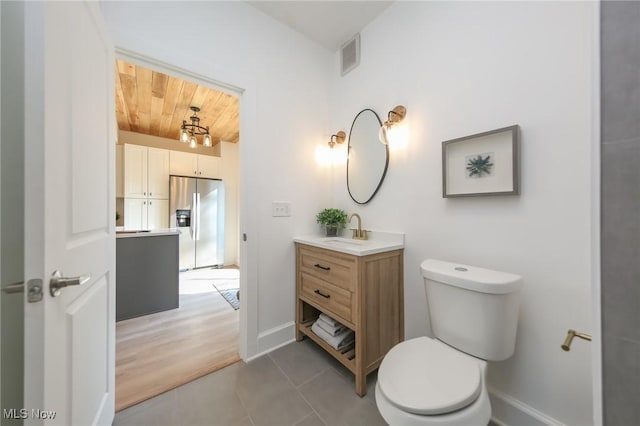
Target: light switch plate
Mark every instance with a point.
(280, 209)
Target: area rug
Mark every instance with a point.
(230, 295)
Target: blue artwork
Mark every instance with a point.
(480, 165)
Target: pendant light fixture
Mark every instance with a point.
(189, 131)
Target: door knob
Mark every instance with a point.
(566, 346)
(14, 288)
(34, 289)
(58, 282)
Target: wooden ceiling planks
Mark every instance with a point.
(154, 103)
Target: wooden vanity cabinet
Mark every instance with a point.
(365, 293)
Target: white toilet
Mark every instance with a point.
(441, 381)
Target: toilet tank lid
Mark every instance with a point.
(470, 277)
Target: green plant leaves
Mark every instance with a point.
(332, 217)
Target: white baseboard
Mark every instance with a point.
(508, 411)
(274, 338)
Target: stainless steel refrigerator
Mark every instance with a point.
(196, 208)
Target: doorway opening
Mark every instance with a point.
(195, 329)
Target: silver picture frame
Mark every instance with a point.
(483, 164)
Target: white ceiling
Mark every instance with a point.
(330, 23)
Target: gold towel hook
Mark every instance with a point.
(566, 346)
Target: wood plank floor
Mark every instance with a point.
(158, 352)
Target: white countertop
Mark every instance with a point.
(153, 233)
(378, 242)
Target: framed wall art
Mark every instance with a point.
(483, 164)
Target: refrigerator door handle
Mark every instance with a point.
(194, 214)
(197, 216)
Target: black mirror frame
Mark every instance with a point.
(386, 162)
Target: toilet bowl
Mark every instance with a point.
(442, 380)
(423, 381)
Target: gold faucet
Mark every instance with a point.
(358, 233)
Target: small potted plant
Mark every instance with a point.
(332, 220)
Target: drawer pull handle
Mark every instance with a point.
(319, 266)
(326, 296)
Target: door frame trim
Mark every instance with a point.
(596, 298)
(248, 250)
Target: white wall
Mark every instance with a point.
(125, 136)
(230, 176)
(468, 67)
(283, 116)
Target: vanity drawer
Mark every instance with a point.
(329, 266)
(335, 301)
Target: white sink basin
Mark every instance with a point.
(345, 241)
(378, 242)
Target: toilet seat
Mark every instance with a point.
(424, 376)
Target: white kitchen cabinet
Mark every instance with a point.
(197, 165)
(145, 213)
(157, 214)
(146, 187)
(135, 214)
(135, 171)
(146, 172)
(183, 163)
(158, 173)
(209, 167)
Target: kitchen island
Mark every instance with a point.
(146, 272)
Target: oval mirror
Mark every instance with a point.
(368, 158)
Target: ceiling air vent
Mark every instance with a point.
(350, 54)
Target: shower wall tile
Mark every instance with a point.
(621, 239)
(620, 233)
(620, 382)
(620, 31)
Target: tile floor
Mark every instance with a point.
(298, 384)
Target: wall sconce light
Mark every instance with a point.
(338, 138)
(332, 155)
(389, 128)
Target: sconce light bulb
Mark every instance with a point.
(398, 137)
(193, 142)
(383, 134)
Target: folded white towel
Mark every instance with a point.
(337, 342)
(330, 321)
(333, 331)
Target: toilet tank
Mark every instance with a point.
(473, 309)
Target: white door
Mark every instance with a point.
(135, 171)
(69, 213)
(158, 168)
